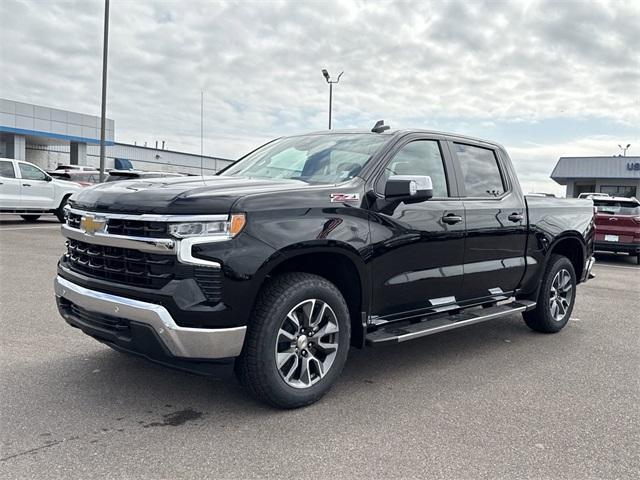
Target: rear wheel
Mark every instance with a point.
(556, 298)
(297, 342)
(30, 218)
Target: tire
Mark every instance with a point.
(558, 287)
(60, 210)
(273, 337)
(30, 218)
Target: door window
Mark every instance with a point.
(421, 157)
(6, 169)
(482, 177)
(29, 172)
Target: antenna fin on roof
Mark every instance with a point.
(380, 127)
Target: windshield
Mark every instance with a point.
(617, 207)
(318, 159)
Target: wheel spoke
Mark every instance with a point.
(289, 336)
(308, 308)
(305, 373)
(292, 369)
(293, 317)
(319, 365)
(315, 321)
(554, 309)
(284, 357)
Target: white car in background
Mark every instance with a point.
(28, 191)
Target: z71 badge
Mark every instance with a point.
(345, 197)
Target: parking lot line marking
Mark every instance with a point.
(28, 228)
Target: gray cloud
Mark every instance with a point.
(412, 63)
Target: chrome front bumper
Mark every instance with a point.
(199, 343)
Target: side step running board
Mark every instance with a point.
(396, 334)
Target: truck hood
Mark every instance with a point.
(179, 195)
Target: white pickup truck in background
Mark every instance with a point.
(30, 192)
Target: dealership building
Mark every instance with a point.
(48, 137)
(617, 176)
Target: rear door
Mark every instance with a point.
(417, 250)
(9, 186)
(496, 221)
(36, 188)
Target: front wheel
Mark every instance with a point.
(556, 297)
(297, 341)
(60, 210)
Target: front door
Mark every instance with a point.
(418, 248)
(37, 190)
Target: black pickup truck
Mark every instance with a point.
(315, 243)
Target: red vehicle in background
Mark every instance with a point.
(618, 225)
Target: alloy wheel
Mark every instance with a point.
(561, 295)
(307, 343)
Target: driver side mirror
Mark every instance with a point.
(48, 178)
(408, 188)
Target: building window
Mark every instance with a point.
(619, 190)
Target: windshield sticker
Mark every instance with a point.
(345, 197)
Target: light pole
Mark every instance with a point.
(624, 149)
(103, 114)
(330, 82)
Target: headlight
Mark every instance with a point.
(220, 229)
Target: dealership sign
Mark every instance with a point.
(633, 166)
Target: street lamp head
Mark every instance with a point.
(326, 74)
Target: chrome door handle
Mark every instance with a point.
(451, 219)
(515, 217)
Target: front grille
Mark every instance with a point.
(121, 265)
(73, 220)
(136, 228)
(129, 228)
(133, 267)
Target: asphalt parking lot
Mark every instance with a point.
(490, 401)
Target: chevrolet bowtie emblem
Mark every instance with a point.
(90, 224)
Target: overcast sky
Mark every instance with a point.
(545, 79)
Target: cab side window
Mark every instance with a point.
(6, 169)
(29, 172)
(481, 173)
(420, 157)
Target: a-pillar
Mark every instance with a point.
(17, 147)
(78, 153)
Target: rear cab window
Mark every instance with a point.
(481, 173)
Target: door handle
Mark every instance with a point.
(451, 219)
(515, 217)
(26, 184)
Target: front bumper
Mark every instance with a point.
(106, 316)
